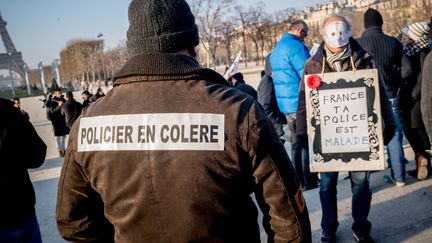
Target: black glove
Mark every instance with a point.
(303, 141)
(389, 132)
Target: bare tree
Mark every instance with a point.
(76, 59)
(116, 58)
(406, 12)
(48, 75)
(227, 34)
(356, 18)
(257, 28)
(243, 18)
(80, 59)
(92, 54)
(34, 77)
(66, 68)
(423, 10)
(209, 14)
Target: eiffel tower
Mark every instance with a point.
(12, 58)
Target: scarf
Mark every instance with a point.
(417, 46)
(335, 59)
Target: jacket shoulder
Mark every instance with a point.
(5, 103)
(290, 45)
(312, 66)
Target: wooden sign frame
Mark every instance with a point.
(344, 122)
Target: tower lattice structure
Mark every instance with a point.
(12, 58)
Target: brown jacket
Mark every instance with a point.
(362, 60)
(177, 195)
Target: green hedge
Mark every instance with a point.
(20, 92)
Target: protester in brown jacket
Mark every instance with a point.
(339, 52)
(172, 153)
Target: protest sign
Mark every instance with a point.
(344, 121)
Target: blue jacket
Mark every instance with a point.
(287, 62)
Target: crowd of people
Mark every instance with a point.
(174, 150)
(405, 89)
(405, 105)
(63, 111)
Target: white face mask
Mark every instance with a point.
(336, 34)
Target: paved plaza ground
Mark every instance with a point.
(398, 214)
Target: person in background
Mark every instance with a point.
(337, 53)
(387, 52)
(17, 104)
(430, 28)
(99, 93)
(287, 61)
(201, 148)
(86, 97)
(426, 94)
(71, 109)
(238, 82)
(58, 121)
(267, 98)
(416, 47)
(20, 149)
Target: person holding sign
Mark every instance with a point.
(172, 152)
(339, 52)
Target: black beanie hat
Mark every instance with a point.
(160, 26)
(372, 18)
(238, 76)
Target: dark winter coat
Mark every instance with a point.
(362, 60)
(71, 110)
(267, 98)
(246, 88)
(86, 103)
(387, 52)
(426, 94)
(410, 93)
(57, 118)
(20, 149)
(156, 192)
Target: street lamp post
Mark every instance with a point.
(40, 66)
(100, 36)
(55, 65)
(12, 80)
(27, 79)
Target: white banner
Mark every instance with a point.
(344, 126)
(161, 131)
(344, 121)
(233, 68)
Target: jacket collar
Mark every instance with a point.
(164, 67)
(239, 82)
(373, 30)
(290, 36)
(357, 52)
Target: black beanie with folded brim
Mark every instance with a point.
(372, 18)
(160, 26)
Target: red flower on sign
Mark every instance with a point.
(313, 81)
